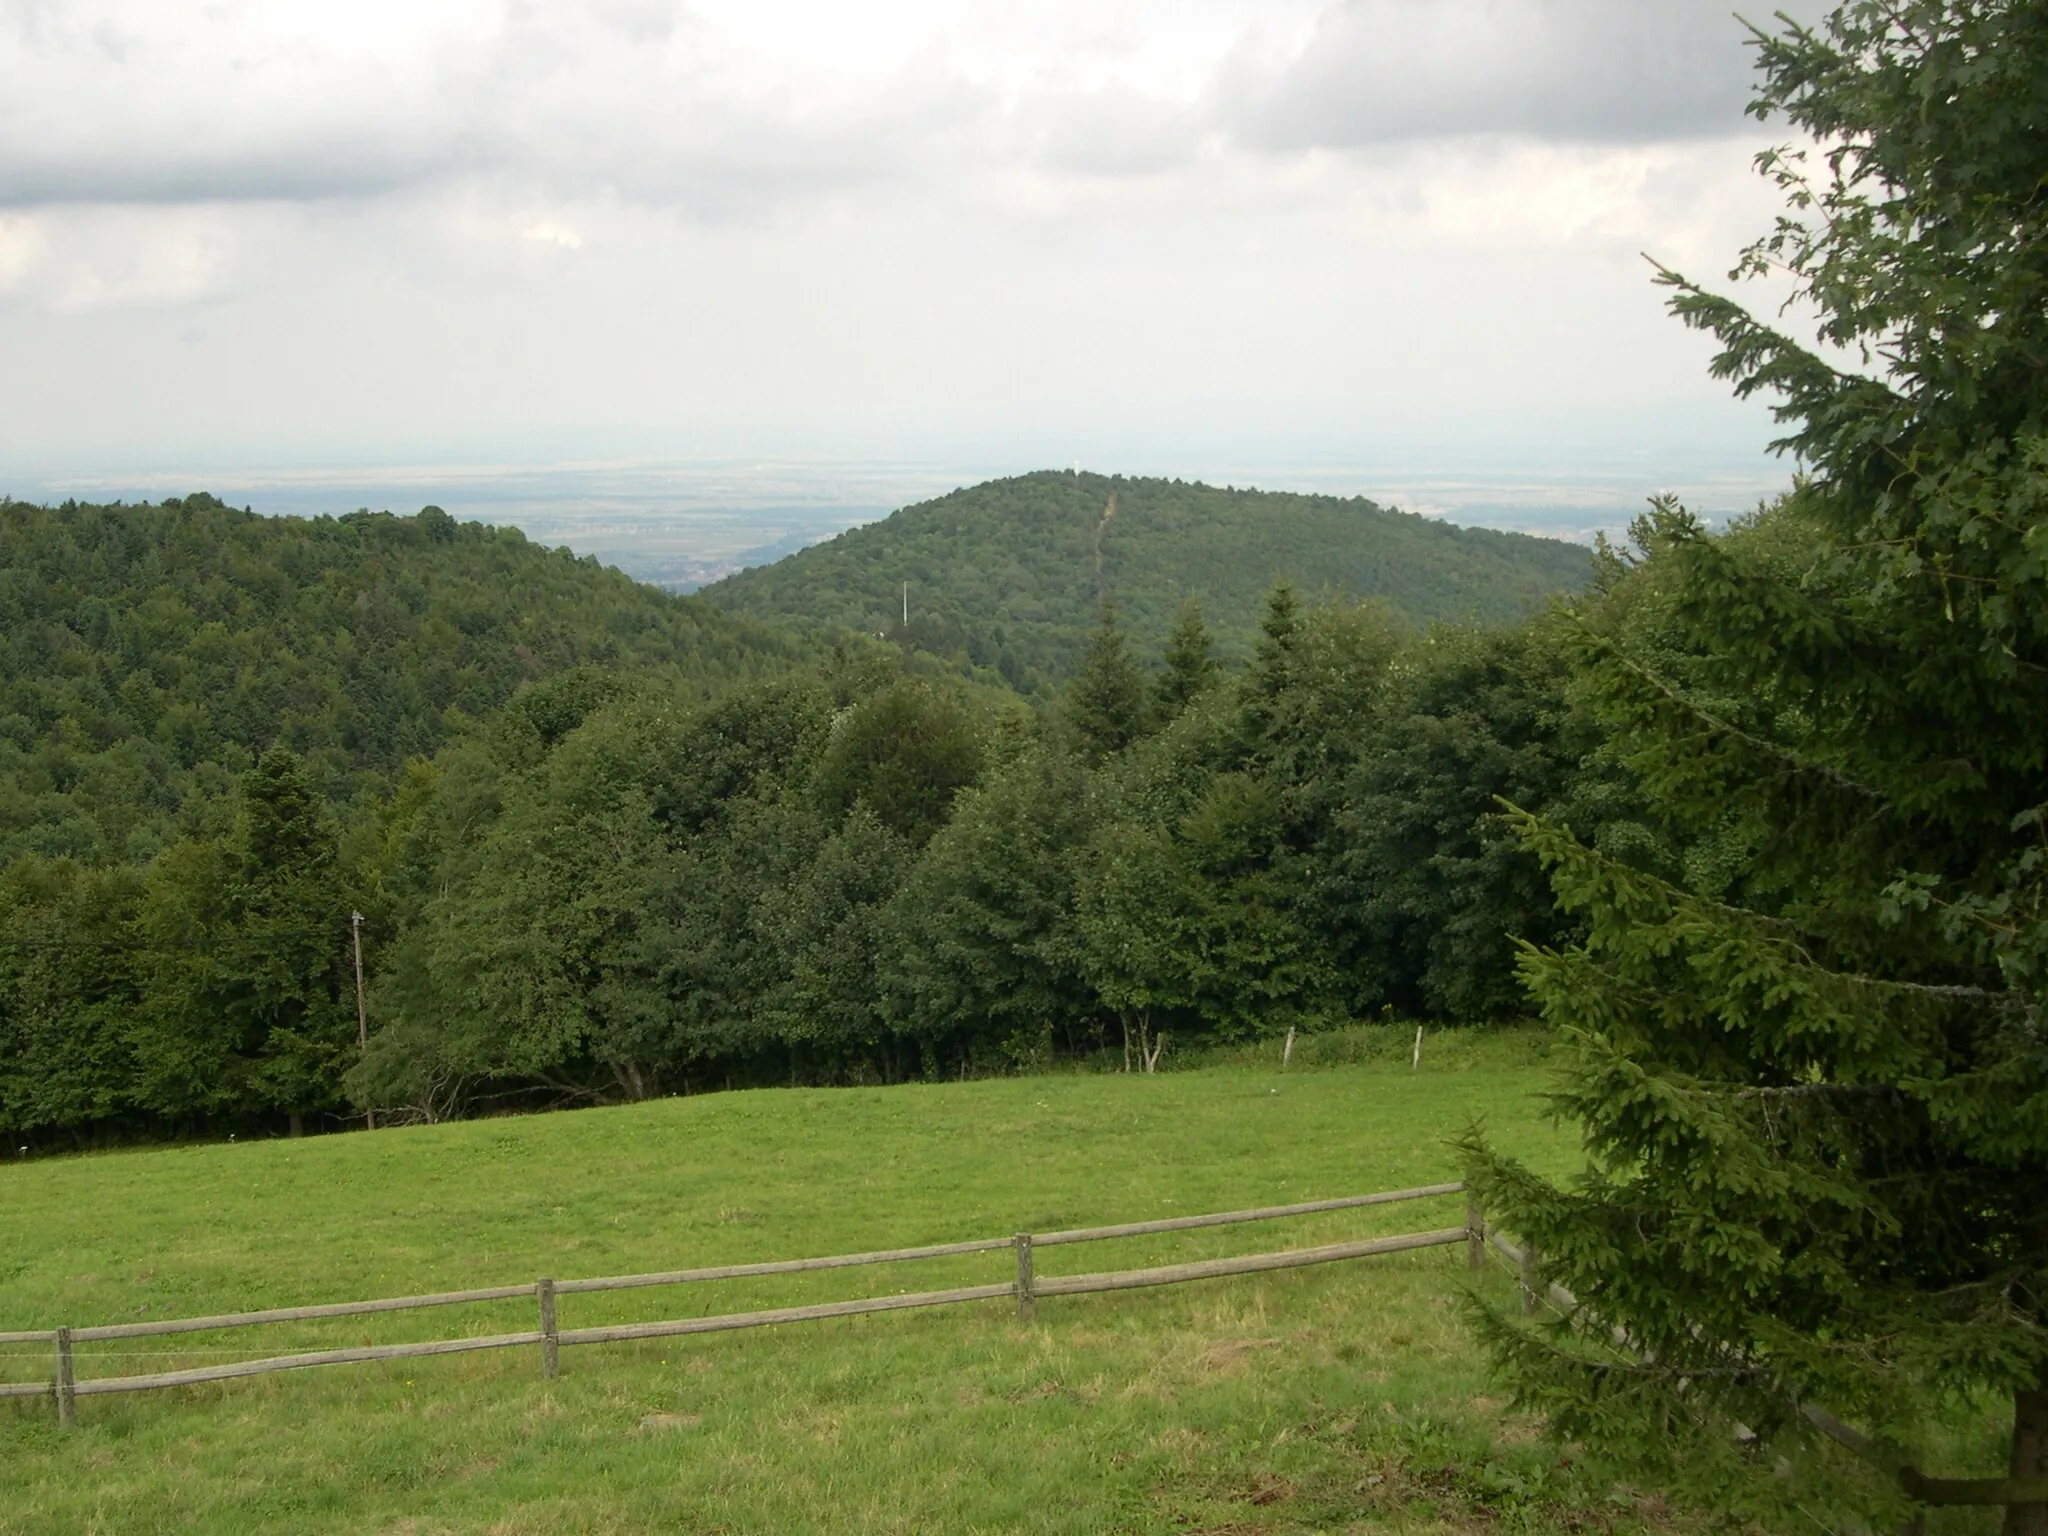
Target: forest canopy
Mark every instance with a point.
(622, 883)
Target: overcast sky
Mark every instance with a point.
(1155, 235)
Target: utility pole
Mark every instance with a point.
(355, 924)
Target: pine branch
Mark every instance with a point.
(1783, 754)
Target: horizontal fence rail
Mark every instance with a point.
(1212, 1269)
(783, 1266)
(1228, 1218)
(205, 1373)
(621, 1332)
(1025, 1289)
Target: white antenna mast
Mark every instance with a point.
(906, 605)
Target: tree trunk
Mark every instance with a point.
(2029, 1457)
(1127, 1039)
(298, 1123)
(1149, 1044)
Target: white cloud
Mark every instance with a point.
(23, 248)
(75, 260)
(554, 232)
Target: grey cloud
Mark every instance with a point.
(1378, 71)
(324, 168)
(624, 96)
(635, 97)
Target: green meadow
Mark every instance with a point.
(1342, 1397)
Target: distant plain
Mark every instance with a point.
(685, 523)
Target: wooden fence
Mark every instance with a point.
(66, 1388)
(1026, 1287)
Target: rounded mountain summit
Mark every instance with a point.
(1009, 575)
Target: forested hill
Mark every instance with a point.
(1005, 575)
(148, 653)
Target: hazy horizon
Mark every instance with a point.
(685, 524)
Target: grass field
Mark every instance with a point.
(1338, 1398)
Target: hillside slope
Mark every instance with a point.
(148, 652)
(1006, 575)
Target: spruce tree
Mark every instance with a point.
(1279, 629)
(1263, 686)
(1810, 1072)
(1105, 702)
(1190, 667)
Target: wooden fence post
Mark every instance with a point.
(1475, 1235)
(1530, 1296)
(550, 1345)
(67, 1383)
(1024, 1282)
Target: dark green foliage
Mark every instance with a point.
(150, 654)
(211, 988)
(1104, 704)
(985, 948)
(69, 989)
(674, 894)
(904, 754)
(1435, 888)
(1188, 669)
(248, 996)
(1273, 656)
(1207, 896)
(831, 922)
(1808, 1059)
(670, 891)
(614, 890)
(1005, 578)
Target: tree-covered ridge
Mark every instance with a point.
(1007, 576)
(150, 653)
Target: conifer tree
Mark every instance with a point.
(1264, 685)
(1279, 625)
(1811, 1074)
(1105, 702)
(1190, 666)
